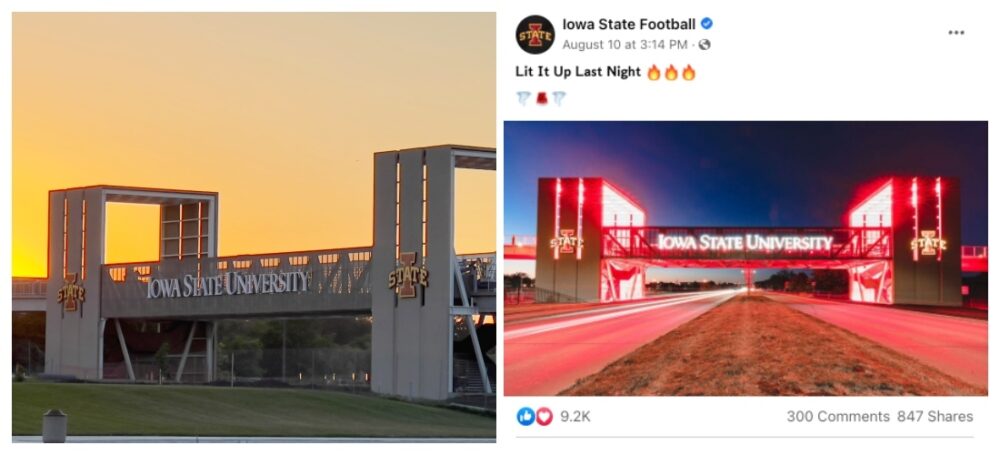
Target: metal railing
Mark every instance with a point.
(975, 252)
(479, 272)
(520, 247)
(523, 240)
(29, 288)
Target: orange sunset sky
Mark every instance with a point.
(279, 113)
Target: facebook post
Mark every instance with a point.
(500, 226)
(745, 226)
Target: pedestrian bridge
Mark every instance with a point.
(523, 247)
(319, 282)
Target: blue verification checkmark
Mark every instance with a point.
(706, 23)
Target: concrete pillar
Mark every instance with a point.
(72, 338)
(411, 339)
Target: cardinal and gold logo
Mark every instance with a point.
(407, 276)
(567, 242)
(928, 244)
(535, 34)
(71, 294)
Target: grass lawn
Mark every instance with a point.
(756, 346)
(111, 409)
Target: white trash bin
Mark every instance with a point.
(54, 426)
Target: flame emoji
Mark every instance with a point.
(654, 73)
(688, 73)
(671, 73)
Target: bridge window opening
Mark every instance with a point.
(117, 274)
(131, 233)
(475, 211)
(270, 262)
(184, 230)
(876, 211)
(620, 210)
(142, 272)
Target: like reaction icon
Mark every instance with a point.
(544, 416)
(526, 416)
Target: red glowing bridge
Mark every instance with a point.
(899, 245)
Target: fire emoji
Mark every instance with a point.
(654, 73)
(688, 73)
(671, 73)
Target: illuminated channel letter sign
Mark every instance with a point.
(748, 242)
(567, 242)
(928, 244)
(405, 279)
(71, 295)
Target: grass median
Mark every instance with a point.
(110, 409)
(752, 345)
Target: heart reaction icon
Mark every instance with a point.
(543, 416)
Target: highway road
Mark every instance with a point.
(547, 354)
(956, 346)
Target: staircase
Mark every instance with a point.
(466, 374)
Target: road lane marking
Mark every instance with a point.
(520, 333)
(611, 308)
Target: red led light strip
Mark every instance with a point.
(555, 251)
(916, 217)
(579, 219)
(83, 241)
(65, 237)
(940, 234)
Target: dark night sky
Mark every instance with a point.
(744, 173)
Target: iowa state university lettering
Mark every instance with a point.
(749, 242)
(230, 283)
